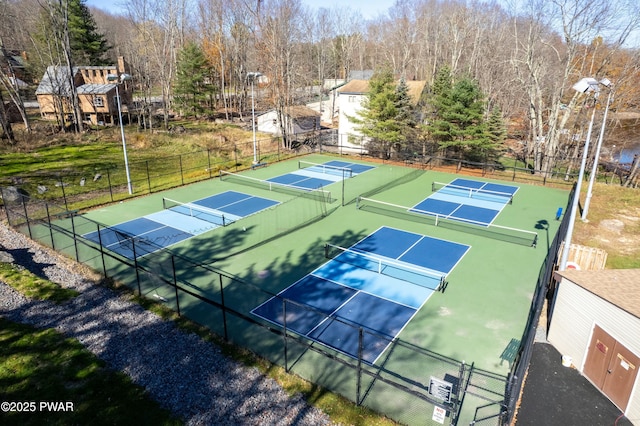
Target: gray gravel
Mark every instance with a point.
(188, 376)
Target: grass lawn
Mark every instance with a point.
(33, 286)
(42, 365)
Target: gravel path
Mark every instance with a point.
(184, 374)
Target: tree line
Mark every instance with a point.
(522, 57)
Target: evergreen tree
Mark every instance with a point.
(407, 120)
(386, 117)
(458, 124)
(88, 46)
(192, 80)
(497, 132)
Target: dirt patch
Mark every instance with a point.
(616, 229)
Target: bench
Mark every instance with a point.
(258, 165)
(65, 214)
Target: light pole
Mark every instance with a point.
(584, 86)
(253, 76)
(118, 80)
(594, 170)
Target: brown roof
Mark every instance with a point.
(362, 86)
(301, 111)
(620, 287)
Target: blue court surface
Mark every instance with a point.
(311, 176)
(177, 222)
(377, 284)
(469, 201)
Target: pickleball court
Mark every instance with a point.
(177, 222)
(377, 284)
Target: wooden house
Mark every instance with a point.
(95, 89)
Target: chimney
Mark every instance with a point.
(122, 66)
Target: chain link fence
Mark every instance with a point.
(44, 208)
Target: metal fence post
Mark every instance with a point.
(284, 334)
(359, 368)
(235, 156)
(75, 239)
(135, 265)
(53, 244)
(175, 284)
(104, 264)
(26, 214)
(64, 196)
(148, 176)
(109, 183)
(224, 309)
(181, 171)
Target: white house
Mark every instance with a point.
(350, 99)
(300, 120)
(595, 323)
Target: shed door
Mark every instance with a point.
(611, 367)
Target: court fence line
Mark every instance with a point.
(544, 291)
(180, 282)
(100, 184)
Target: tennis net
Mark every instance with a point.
(469, 192)
(344, 172)
(315, 194)
(414, 274)
(502, 233)
(199, 212)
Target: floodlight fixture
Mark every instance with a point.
(585, 85)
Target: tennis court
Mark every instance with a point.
(467, 200)
(312, 176)
(177, 222)
(377, 284)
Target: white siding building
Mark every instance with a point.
(595, 323)
(350, 99)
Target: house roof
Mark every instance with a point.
(95, 89)
(354, 87)
(301, 111)
(55, 81)
(296, 111)
(361, 87)
(14, 58)
(620, 287)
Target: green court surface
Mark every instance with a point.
(477, 319)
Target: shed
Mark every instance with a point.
(595, 324)
(300, 119)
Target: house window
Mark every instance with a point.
(352, 98)
(98, 101)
